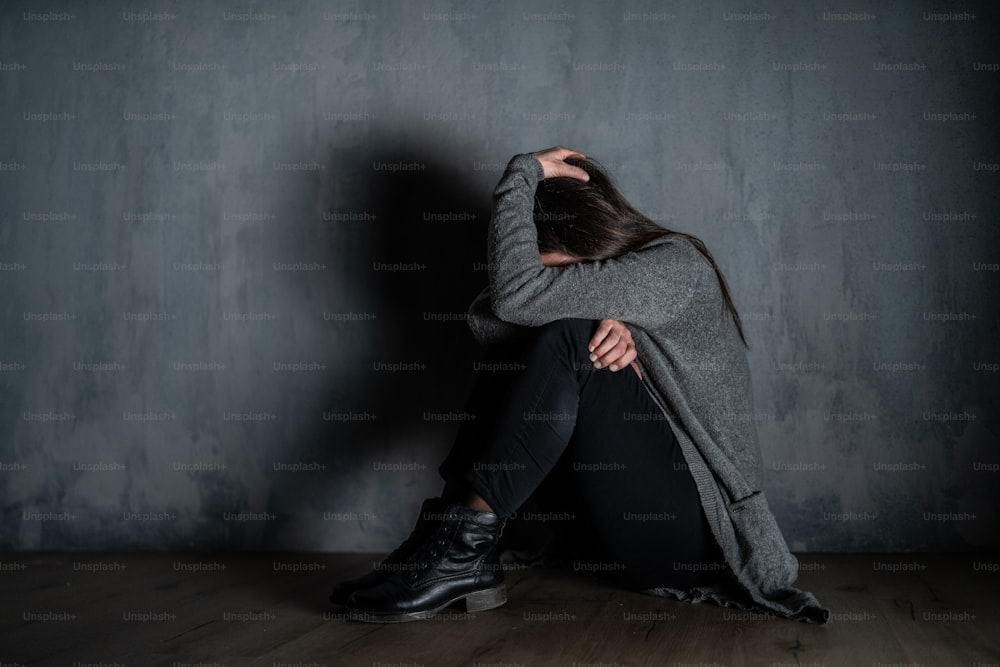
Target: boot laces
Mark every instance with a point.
(433, 548)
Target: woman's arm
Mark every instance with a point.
(648, 288)
(611, 345)
(487, 328)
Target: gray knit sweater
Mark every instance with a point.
(693, 364)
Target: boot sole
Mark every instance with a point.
(483, 600)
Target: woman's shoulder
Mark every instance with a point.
(682, 263)
(675, 249)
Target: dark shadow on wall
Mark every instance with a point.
(404, 233)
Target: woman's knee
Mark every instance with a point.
(565, 336)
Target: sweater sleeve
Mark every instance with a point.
(648, 288)
(487, 327)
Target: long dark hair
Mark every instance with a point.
(591, 221)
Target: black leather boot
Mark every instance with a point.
(431, 512)
(459, 562)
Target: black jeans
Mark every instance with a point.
(593, 451)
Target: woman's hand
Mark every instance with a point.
(553, 165)
(611, 346)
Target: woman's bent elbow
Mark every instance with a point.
(509, 310)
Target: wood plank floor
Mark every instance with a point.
(177, 610)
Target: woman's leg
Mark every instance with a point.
(604, 449)
(524, 404)
(638, 510)
(553, 407)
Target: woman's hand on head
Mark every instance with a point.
(553, 164)
(611, 346)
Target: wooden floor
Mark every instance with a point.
(145, 610)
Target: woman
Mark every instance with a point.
(617, 394)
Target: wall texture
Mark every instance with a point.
(238, 241)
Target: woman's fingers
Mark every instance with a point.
(607, 336)
(553, 163)
(565, 169)
(620, 356)
(609, 352)
(611, 345)
(559, 153)
(626, 359)
(604, 327)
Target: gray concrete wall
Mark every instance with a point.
(232, 241)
